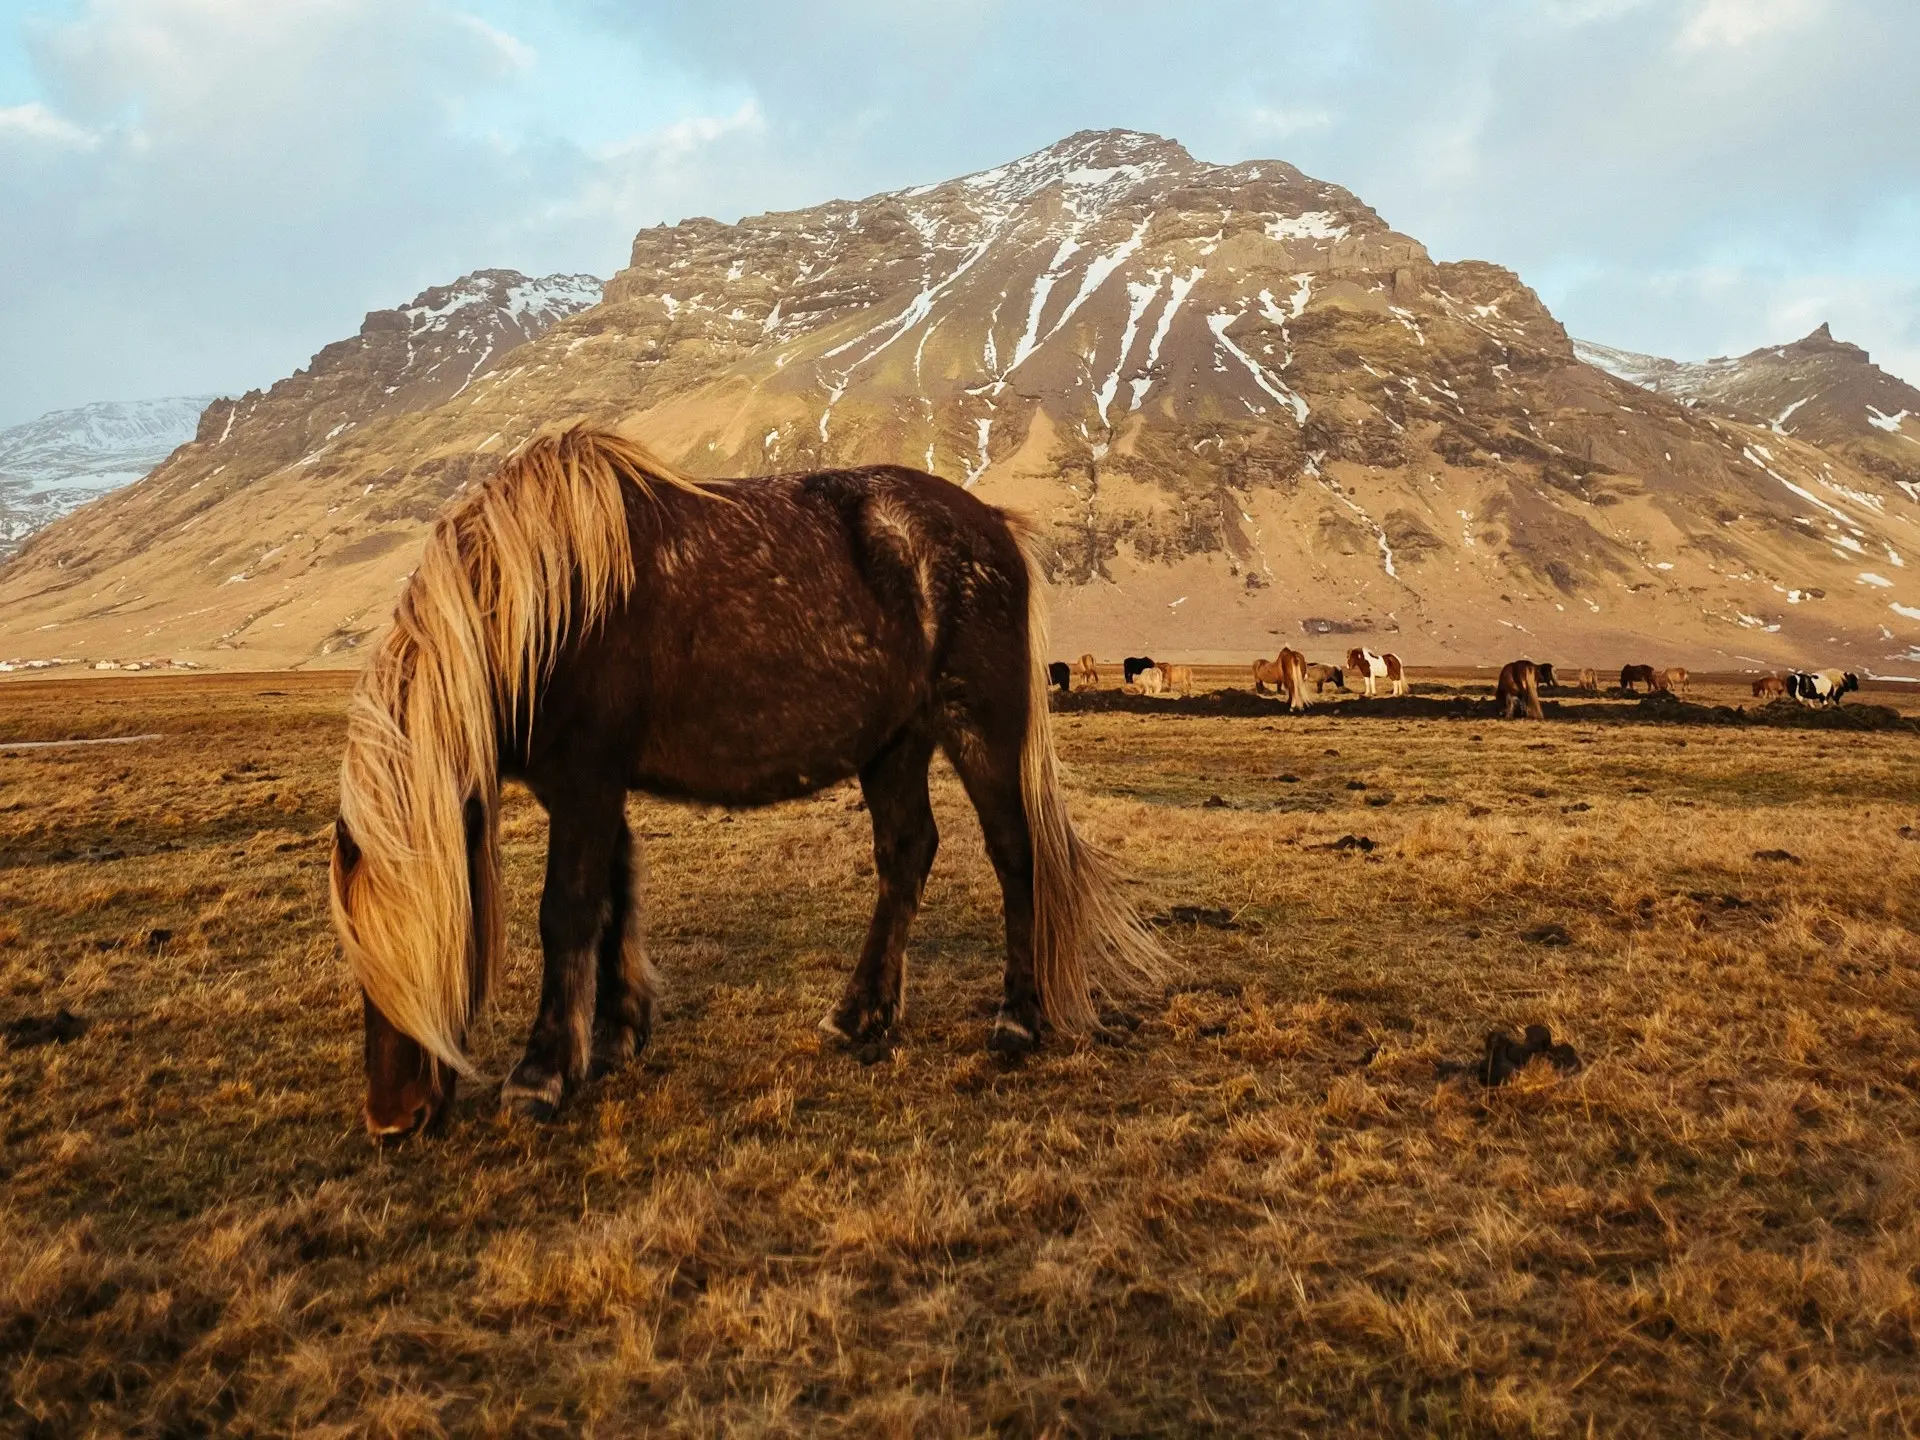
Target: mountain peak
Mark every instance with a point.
(1821, 342)
(1101, 148)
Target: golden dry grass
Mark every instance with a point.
(1261, 1214)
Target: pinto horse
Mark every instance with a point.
(1372, 667)
(580, 622)
(1519, 685)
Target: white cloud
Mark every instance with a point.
(220, 186)
(1285, 124)
(34, 122)
(1725, 24)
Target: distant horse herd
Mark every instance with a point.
(1516, 692)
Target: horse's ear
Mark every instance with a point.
(344, 846)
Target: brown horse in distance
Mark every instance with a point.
(1287, 673)
(1519, 684)
(1321, 676)
(1675, 680)
(1589, 682)
(581, 621)
(1176, 677)
(1631, 675)
(1770, 687)
(1089, 671)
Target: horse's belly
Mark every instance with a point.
(752, 748)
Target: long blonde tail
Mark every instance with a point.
(1079, 911)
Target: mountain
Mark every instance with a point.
(1241, 408)
(65, 458)
(1818, 389)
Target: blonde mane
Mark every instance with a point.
(540, 552)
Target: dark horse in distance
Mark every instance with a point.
(582, 622)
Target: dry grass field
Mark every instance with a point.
(1259, 1210)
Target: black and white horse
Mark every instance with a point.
(1821, 687)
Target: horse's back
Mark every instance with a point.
(779, 631)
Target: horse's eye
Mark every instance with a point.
(344, 846)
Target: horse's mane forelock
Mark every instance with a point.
(537, 554)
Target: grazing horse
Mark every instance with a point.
(1089, 672)
(580, 622)
(1675, 679)
(1631, 675)
(1374, 667)
(1821, 687)
(1151, 681)
(1131, 667)
(1589, 682)
(1519, 684)
(1177, 677)
(1544, 672)
(1059, 676)
(1321, 676)
(1288, 672)
(1770, 687)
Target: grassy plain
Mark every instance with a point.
(1261, 1212)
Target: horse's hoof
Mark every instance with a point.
(857, 1026)
(614, 1050)
(1010, 1037)
(532, 1094)
(831, 1028)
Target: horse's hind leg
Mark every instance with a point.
(582, 841)
(989, 767)
(904, 841)
(623, 1012)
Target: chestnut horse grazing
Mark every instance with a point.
(1589, 681)
(1287, 672)
(1519, 684)
(1374, 667)
(1674, 680)
(1089, 671)
(1770, 687)
(581, 622)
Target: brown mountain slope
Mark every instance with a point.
(1243, 410)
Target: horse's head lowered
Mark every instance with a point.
(408, 1091)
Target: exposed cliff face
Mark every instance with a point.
(53, 465)
(1241, 408)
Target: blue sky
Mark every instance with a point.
(197, 194)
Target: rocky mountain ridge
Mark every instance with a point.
(1242, 409)
(1817, 389)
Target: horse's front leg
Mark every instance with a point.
(623, 1014)
(575, 909)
